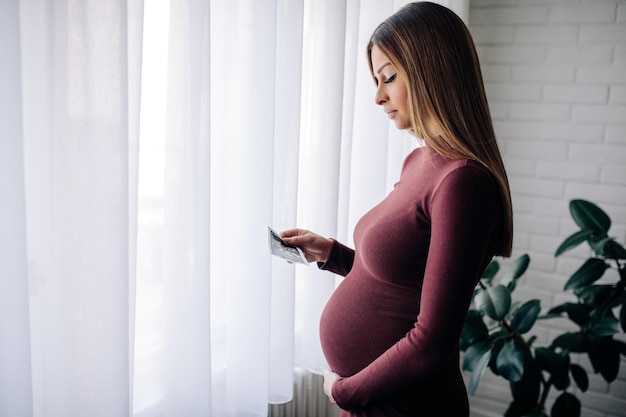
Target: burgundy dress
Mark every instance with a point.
(391, 328)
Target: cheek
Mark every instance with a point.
(406, 106)
(404, 99)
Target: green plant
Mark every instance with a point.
(495, 335)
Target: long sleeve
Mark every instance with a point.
(464, 213)
(340, 259)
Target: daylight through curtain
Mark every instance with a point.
(146, 148)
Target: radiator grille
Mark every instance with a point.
(309, 399)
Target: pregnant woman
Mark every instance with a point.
(390, 331)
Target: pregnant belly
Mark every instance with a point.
(362, 319)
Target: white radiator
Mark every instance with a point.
(309, 399)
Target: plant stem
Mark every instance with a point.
(507, 326)
(544, 395)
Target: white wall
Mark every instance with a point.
(555, 72)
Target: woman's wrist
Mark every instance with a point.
(328, 250)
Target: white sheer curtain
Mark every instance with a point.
(71, 101)
(145, 150)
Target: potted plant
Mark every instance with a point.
(496, 332)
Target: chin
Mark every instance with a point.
(402, 125)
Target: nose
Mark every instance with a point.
(381, 96)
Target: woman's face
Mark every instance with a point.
(391, 90)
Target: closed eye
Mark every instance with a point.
(390, 79)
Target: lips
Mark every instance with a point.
(391, 113)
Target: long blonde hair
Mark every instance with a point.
(434, 51)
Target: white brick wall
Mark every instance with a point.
(555, 74)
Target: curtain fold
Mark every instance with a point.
(369, 130)
(134, 49)
(243, 66)
(288, 75)
(146, 149)
(320, 146)
(173, 325)
(76, 158)
(186, 231)
(15, 377)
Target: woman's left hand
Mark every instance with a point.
(329, 379)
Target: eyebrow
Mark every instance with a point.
(382, 66)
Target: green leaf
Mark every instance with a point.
(560, 378)
(580, 376)
(473, 354)
(594, 295)
(498, 343)
(476, 326)
(591, 271)
(578, 313)
(510, 361)
(515, 271)
(526, 391)
(543, 356)
(561, 382)
(573, 241)
(566, 405)
(607, 326)
(589, 216)
(574, 342)
(615, 250)
(549, 316)
(619, 299)
(556, 364)
(526, 316)
(622, 316)
(494, 302)
(557, 310)
(514, 307)
(605, 359)
(490, 271)
(607, 247)
(474, 329)
(549, 360)
(479, 370)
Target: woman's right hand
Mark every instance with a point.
(316, 248)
